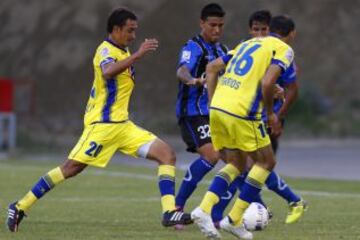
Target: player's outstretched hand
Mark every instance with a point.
(146, 46)
(275, 125)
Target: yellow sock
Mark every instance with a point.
(27, 201)
(259, 174)
(166, 174)
(228, 173)
(46, 183)
(56, 176)
(237, 211)
(209, 201)
(256, 179)
(231, 171)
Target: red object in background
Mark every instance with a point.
(6, 95)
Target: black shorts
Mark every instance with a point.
(195, 131)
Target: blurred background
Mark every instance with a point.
(47, 47)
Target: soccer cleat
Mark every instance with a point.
(14, 217)
(296, 211)
(239, 231)
(205, 223)
(179, 227)
(176, 217)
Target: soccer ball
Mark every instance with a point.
(256, 217)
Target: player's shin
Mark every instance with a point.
(218, 210)
(196, 171)
(45, 184)
(166, 174)
(276, 184)
(219, 187)
(249, 192)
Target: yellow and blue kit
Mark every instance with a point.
(107, 127)
(236, 107)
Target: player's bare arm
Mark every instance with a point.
(212, 74)
(292, 91)
(183, 74)
(114, 68)
(268, 87)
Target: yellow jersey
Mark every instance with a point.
(109, 98)
(238, 91)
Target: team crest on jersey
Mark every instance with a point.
(104, 52)
(289, 55)
(186, 55)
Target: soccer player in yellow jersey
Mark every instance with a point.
(107, 127)
(259, 27)
(237, 101)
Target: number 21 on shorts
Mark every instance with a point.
(94, 149)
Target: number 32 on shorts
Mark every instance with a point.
(204, 131)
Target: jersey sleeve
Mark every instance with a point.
(106, 56)
(289, 76)
(190, 55)
(283, 56)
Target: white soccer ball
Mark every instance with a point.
(256, 217)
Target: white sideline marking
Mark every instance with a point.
(154, 178)
(150, 177)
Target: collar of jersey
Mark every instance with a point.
(206, 43)
(114, 44)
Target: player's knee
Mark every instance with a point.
(71, 168)
(171, 157)
(270, 164)
(212, 157)
(168, 156)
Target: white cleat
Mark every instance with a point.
(239, 232)
(205, 223)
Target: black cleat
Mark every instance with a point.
(176, 217)
(14, 217)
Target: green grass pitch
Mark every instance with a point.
(122, 202)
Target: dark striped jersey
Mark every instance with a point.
(195, 55)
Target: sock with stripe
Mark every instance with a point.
(218, 187)
(196, 171)
(166, 175)
(240, 182)
(45, 184)
(276, 184)
(217, 212)
(249, 192)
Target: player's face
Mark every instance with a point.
(259, 29)
(212, 28)
(126, 34)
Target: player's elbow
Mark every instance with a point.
(107, 74)
(181, 71)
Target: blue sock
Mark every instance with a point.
(41, 187)
(258, 199)
(250, 190)
(218, 210)
(196, 171)
(278, 185)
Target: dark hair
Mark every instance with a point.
(118, 18)
(282, 25)
(262, 16)
(212, 10)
